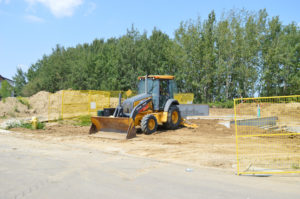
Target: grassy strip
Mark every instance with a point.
(84, 120)
(227, 104)
(40, 125)
(24, 101)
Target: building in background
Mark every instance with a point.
(11, 82)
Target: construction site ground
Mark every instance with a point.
(70, 164)
(65, 161)
(211, 144)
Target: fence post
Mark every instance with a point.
(89, 105)
(108, 92)
(62, 105)
(49, 106)
(236, 139)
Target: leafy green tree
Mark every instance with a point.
(6, 89)
(225, 61)
(20, 81)
(241, 54)
(209, 58)
(271, 80)
(190, 57)
(289, 57)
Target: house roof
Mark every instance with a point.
(4, 78)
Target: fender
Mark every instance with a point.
(142, 106)
(169, 103)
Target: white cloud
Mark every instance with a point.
(32, 18)
(91, 7)
(59, 8)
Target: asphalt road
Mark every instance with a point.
(38, 169)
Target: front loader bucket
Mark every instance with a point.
(113, 124)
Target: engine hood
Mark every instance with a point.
(128, 103)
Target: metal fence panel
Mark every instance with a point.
(74, 103)
(267, 134)
(184, 98)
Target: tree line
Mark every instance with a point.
(241, 54)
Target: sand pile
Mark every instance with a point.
(39, 102)
(26, 106)
(113, 102)
(48, 105)
(12, 107)
(267, 109)
(287, 113)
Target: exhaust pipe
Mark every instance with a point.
(119, 110)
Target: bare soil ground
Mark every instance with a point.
(221, 111)
(211, 144)
(55, 168)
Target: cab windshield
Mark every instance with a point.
(151, 86)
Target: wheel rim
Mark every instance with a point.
(174, 117)
(151, 124)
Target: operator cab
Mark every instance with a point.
(161, 87)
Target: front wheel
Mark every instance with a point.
(174, 118)
(149, 124)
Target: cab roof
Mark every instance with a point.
(157, 77)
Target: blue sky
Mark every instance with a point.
(31, 28)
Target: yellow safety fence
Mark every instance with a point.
(267, 134)
(74, 103)
(184, 98)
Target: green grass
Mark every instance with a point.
(24, 101)
(16, 109)
(40, 125)
(11, 114)
(227, 104)
(84, 120)
(295, 166)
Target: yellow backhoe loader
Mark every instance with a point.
(154, 105)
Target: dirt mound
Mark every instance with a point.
(42, 104)
(39, 102)
(113, 102)
(12, 107)
(286, 112)
(221, 111)
(25, 106)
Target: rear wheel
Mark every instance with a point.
(149, 124)
(174, 118)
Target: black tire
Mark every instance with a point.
(172, 123)
(149, 124)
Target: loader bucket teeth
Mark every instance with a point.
(93, 129)
(131, 132)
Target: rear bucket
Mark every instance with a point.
(122, 125)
